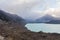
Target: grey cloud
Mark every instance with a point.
(25, 8)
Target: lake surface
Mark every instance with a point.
(36, 27)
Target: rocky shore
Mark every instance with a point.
(14, 31)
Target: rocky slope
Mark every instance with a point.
(10, 29)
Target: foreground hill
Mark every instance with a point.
(11, 29)
(14, 31)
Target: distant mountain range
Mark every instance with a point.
(11, 17)
(45, 18)
(17, 19)
(48, 19)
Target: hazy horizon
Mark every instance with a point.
(31, 8)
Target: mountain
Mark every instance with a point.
(48, 19)
(11, 17)
(45, 18)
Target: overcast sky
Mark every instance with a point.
(31, 8)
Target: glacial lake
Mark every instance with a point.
(51, 28)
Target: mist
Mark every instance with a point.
(31, 8)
